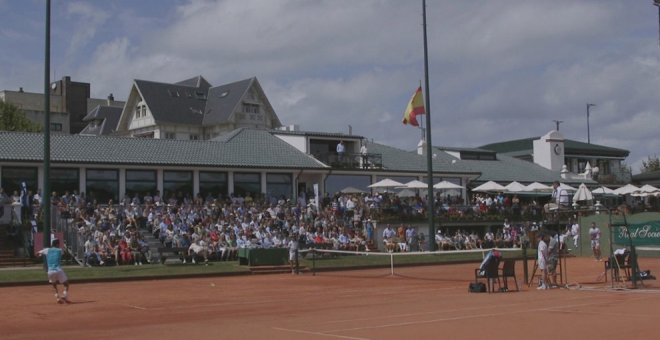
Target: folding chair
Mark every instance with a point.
(490, 272)
(509, 270)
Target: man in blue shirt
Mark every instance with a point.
(55, 273)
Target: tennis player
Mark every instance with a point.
(55, 273)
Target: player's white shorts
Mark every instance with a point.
(292, 256)
(57, 276)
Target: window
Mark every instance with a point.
(278, 185)
(582, 164)
(140, 182)
(64, 179)
(604, 167)
(247, 182)
(102, 185)
(56, 127)
(250, 108)
(177, 184)
(194, 136)
(170, 135)
(13, 176)
(213, 183)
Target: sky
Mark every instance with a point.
(498, 70)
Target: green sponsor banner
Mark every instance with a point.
(641, 234)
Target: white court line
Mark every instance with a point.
(622, 291)
(129, 306)
(412, 323)
(318, 333)
(445, 311)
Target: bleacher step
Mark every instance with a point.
(275, 269)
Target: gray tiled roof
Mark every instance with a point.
(401, 160)
(174, 104)
(198, 82)
(107, 118)
(222, 100)
(571, 147)
(244, 148)
(506, 169)
(194, 101)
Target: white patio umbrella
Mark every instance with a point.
(443, 185)
(385, 184)
(415, 184)
(567, 187)
(647, 188)
(536, 186)
(583, 194)
(603, 191)
(489, 186)
(406, 193)
(352, 190)
(515, 187)
(626, 189)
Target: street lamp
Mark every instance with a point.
(588, 135)
(657, 3)
(557, 122)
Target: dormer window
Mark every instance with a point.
(250, 108)
(140, 110)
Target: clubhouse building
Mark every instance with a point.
(191, 138)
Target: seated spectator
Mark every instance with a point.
(92, 256)
(199, 248)
(134, 247)
(124, 250)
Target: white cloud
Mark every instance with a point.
(498, 70)
(86, 19)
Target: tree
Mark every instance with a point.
(13, 118)
(651, 164)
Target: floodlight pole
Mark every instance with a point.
(657, 3)
(588, 134)
(429, 147)
(45, 200)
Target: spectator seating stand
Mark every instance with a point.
(169, 255)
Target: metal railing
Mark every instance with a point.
(351, 160)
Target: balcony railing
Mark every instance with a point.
(351, 160)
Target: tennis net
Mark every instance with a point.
(395, 263)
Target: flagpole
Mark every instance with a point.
(429, 151)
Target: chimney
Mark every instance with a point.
(111, 99)
(421, 147)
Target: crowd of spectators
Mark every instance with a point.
(215, 227)
(211, 228)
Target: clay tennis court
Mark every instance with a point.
(418, 302)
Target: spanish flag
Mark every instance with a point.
(415, 107)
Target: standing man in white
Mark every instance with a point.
(341, 149)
